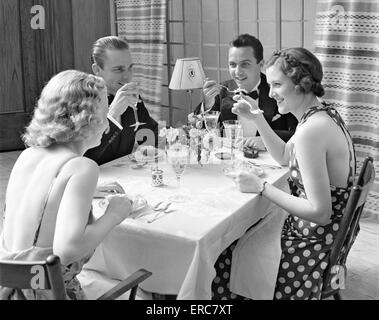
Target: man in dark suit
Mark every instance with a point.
(111, 60)
(245, 64)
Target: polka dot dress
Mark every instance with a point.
(305, 245)
(220, 284)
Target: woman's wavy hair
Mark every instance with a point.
(66, 111)
(302, 67)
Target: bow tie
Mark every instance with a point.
(253, 94)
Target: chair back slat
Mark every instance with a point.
(35, 275)
(47, 275)
(349, 225)
(23, 275)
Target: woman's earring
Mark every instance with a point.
(298, 89)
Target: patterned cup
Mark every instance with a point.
(156, 177)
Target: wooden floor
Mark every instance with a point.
(362, 264)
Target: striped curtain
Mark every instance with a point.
(347, 43)
(143, 24)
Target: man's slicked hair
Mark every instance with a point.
(247, 40)
(101, 45)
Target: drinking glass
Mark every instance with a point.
(233, 131)
(177, 156)
(210, 120)
(211, 124)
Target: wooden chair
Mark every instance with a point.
(47, 275)
(335, 273)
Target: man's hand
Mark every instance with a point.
(210, 90)
(126, 96)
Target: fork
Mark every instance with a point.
(155, 208)
(157, 216)
(263, 165)
(160, 209)
(238, 90)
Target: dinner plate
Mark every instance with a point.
(138, 203)
(230, 171)
(148, 154)
(223, 155)
(256, 170)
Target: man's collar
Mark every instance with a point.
(256, 88)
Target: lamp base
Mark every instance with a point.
(189, 91)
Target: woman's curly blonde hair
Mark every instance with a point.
(67, 110)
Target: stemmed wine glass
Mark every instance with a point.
(137, 123)
(211, 124)
(210, 120)
(233, 130)
(177, 156)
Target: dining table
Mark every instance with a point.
(181, 247)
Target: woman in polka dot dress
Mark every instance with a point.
(321, 159)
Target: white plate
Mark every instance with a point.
(139, 203)
(145, 154)
(230, 171)
(257, 170)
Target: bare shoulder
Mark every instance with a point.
(82, 166)
(319, 127)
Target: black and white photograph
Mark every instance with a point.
(205, 152)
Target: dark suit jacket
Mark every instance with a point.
(283, 125)
(117, 143)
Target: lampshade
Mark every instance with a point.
(188, 74)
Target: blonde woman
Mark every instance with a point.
(50, 190)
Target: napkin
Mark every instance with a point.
(256, 258)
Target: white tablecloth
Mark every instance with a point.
(180, 249)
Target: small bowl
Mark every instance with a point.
(250, 152)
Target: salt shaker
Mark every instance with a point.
(156, 177)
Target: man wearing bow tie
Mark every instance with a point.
(245, 64)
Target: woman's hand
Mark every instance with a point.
(255, 142)
(106, 188)
(248, 182)
(119, 206)
(246, 107)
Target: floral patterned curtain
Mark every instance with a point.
(347, 43)
(143, 24)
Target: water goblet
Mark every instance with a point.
(233, 131)
(177, 156)
(210, 120)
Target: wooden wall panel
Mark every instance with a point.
(54, 45)
(91, 20)
(29, 58)
(10, 58)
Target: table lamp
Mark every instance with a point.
(188, 75)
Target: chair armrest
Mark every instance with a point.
(130, 282)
